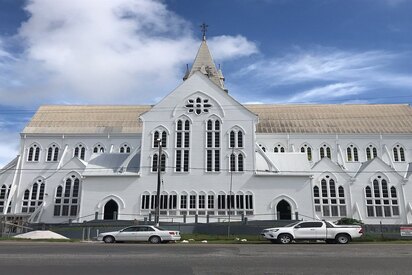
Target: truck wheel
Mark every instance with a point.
(342, 239)
(285, 238)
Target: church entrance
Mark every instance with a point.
(283, 210)
(111, 210)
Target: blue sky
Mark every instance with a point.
(135, 51)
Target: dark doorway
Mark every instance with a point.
(111, 210)
(283, 210)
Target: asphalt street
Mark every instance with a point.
(98, 258)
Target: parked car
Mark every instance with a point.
(144, 233)
(318, 230)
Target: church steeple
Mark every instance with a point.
(205, 64)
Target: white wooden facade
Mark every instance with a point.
(76, 161)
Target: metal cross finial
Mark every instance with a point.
(203, 27)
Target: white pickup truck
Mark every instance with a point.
(318, 230)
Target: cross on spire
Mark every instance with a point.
(203, 28)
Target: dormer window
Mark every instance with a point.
(198, 105)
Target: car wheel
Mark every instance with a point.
(342, 239)
(109, 239)
(285, 238)
(155, 239)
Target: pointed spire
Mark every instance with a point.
(205, 64)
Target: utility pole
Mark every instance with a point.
(159, 171)
(230, 187)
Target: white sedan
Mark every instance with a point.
(142, 233)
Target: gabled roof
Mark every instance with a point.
(334, 118)
(72, 119)
(317, 119)
(378, 161)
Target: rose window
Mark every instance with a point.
(198, 106)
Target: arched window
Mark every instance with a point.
(34, 153)
(52, 153)
(67, 198)
(236, 162)
(352, 153)
(279, 149)
(371, 152)
(182, 149)
(98, 148)
(325, 151)
(236, 138)
(4, 194)
(162, 135)
(328, 202)
(308, 150)
(33, 197)
(80, 151)
(213, 145)
(382, 202)
(155, 162)
(398, 153)
(125, 149)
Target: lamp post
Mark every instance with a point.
(159, 171)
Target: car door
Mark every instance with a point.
(127, 234)
(144, 232)
(305, 230)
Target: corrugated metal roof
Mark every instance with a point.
(86, 119)
(322, 119)
(333, 119)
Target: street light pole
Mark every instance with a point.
(159, 171)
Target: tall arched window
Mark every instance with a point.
(236, 162)
(52, 153)
(380, 200)
(213, 145)
(330, 201)
(182, 145)
(34, 153)
(398, 153)
(125, 149)
(67, 198)
(279, 149)
(162, 135)
(155, 162)
(4, 194)
(308, 150)
(33, 197)
(352, 153)
(371, 152)
(80, 151)
(236, 138)
(325, 151)
(98, 148)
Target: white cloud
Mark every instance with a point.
(123, 51)
(226, 47)
(9, 144)
(332, 73)
(331, 91)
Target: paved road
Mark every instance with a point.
(97, 258)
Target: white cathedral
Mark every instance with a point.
(218, 158)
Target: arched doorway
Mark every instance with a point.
(110, 209)
(283, 210)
